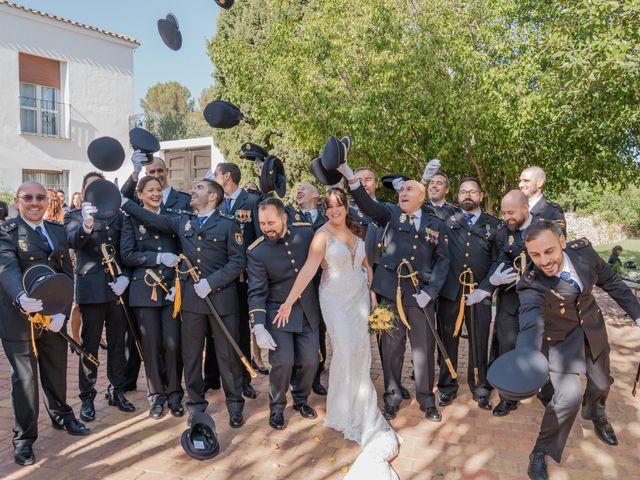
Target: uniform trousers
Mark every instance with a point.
(506, 330)
(52, 362)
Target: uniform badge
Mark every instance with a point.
(243, 216)
(510, 240)
(488, 230)
(403, 218)
(298, 218)
(187, 226)
(239, 238)
(432, 235)
(142, 229)
(23, 245)
(360, 214)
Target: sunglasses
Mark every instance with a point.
(29, 198)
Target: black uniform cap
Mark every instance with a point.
(106, 153)
(200, 441)
(54, 289)
(105, 196)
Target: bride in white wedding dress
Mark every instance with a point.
(345, 301)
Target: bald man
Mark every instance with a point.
(25, 241)
(531, 183)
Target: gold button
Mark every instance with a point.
(289, 252)
(198, 261)
(109, 238)
(159, 248)
(157, 237)
(413, 258)
(199, 237)
(140, 238)
(286, 244)
(414, 247)
(468, 234)
(415, 236)
(198, 249)
(215, 239)
(30, 258)
(107, 227)
(468, 244)
(465, 265)
(295, 270)
(293, 261)
(548, 339)
(466, 254)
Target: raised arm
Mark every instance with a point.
(164, 223)
(370, 207)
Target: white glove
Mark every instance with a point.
(264, 338)
(503, 275)
(57, 322)
(168, 259)
(422, 298)
(120, 285)
(87, 214)
(638, 322)
(431, 169)
(137, 158)
(477, 296)
(171, 295)
(202, 288)
(29, 305)
(397, 183)
(346, 171)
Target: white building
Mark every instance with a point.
(62, 84)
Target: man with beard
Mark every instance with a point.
(531, 182)
(508, 246)
(471, 233)
(273, 266)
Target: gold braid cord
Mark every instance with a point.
(177, 300)
(519, 265)
(412, 276)
(466, 280)
(37, 320)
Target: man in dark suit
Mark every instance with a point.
(97, 296)
(559, 316)
(417, 237)
(25, 241)
(471, 233)
(273, 266)
(531, 182)
(214, 244)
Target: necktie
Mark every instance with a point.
(201, 220)
(521, 232)
(227, 204)
(307, 215)
(469, 218)
(41, 234)
(566, 276)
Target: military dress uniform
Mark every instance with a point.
(546, 210)
(273, 268)
(443, 211)
(561, 318)
(20, 248)
(470, 247)
(98, 304)
(425, 247)
(140, 246)
(215, 248)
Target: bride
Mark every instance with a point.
(345, 301)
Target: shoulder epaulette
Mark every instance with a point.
(227, 216)
(255, 243)
(529, 276)
(501, 225)
(553, 204)
(53, 222)
(580, 243)
(178, 211)
(8, 226)
(300, 224)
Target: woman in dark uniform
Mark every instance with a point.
(143, 248)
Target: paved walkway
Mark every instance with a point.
(469, 444)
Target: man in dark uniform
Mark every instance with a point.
(531, 182)
(508, 248)
(97, 296)
(213, 243)
(273, 266)
(25, 241)
(419, 238)
(471, 232)
(559, 315)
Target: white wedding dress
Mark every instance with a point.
(352, 401)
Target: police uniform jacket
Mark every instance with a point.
(469, 247)
(426, 249)
(544, 209)
(92, 277)
(21, 248)
(245, 211)
(507, 247)
(444, 211)
(177, 202)
(273, 268)
(554, 316)
(215, 249)
(140, 246)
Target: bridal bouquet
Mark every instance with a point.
(382, 319)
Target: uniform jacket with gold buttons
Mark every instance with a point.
(140, 246)
(92, 277)
(21, 248)
(555, 317)
(425, 248)
(273, 268)
(546, 210)
(216, 249)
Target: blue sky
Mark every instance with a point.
(154, 62)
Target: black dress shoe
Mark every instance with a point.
(305, 410)
(261, 370)
(537, 466)
(176, 409)
(236, 420)
(249, 392)
(276, 420)
(504, 407)
(117, 399)
(447, 399)
(483, 402)
(389, 412)
(433, 414)
(404, 393)
(157, 411)
(73, 427)
(319, 389)
(88, 411)
(24, 455)
(412, 375)
(604, 431)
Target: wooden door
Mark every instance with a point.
(187, 166)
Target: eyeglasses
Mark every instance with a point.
(29, 198)
(469, 192)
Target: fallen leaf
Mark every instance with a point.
(344, 469)
(275, 446)
(332, 459)
(318, 439)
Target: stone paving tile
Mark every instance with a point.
(470, 444)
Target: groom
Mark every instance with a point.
(417, 236)
(273, 263)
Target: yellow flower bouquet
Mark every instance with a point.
(382, 319)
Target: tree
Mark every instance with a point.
(164, 98)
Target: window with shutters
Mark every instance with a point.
(56, 179)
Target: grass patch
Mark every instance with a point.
(631, 252)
